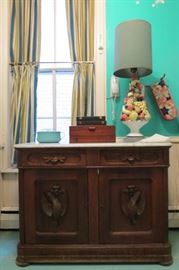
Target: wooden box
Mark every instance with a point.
(92, 134)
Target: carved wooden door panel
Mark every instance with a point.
(132, 205)
(55, 206)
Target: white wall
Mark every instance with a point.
(8, 181)
(4, 85)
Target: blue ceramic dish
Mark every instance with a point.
(48, 136)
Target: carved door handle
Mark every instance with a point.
(133, 203)
(54, 203)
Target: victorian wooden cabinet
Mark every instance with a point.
(93, 203)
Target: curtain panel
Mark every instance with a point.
(24, 54)
(80, 24)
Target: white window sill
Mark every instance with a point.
(10, 170)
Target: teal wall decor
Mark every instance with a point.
(164, 21)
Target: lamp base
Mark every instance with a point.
(135, 127)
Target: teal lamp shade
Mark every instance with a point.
(133, 50)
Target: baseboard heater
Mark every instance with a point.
(173, 217)
(9, 218)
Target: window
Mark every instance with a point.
(100, 66)
(56, 73)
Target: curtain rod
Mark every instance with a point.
(37, 63)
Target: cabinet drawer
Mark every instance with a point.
(53, 158)
(134, 157)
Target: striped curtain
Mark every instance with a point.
(80, 24)
(24, 53)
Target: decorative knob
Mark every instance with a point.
(131, 159)
(54, 160)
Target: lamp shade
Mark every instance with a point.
(133, 49)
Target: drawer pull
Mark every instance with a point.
(55, 159)
(92, 128)
(131, 159)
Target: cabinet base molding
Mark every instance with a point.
(140, 253)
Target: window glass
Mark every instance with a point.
(55, 80)
(45, 95)
(64, 85)
(47, 31)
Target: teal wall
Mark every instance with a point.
(164, 20)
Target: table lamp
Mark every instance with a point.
(133, 60)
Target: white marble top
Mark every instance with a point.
(120, 142)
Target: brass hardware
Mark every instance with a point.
(92, 128)
(131, 159)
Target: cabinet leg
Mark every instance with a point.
(166, 261)
(21, 263)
